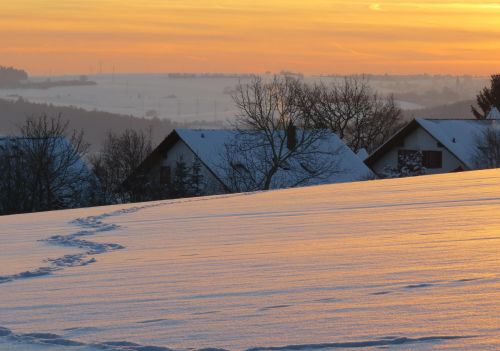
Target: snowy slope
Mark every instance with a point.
(404, 264)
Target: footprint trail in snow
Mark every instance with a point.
(89, 226)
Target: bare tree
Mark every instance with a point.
(488, 149)
(355, 113)
(45, 168)
(119, 157)
(275, 144)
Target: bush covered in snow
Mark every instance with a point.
(409, 165)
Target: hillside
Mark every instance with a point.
(457, 110)
(95, 124)
(401, 264)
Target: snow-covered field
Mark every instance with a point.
(149, 95)
(143, 95)
(409, 264)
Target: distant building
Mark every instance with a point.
(446, 145)
(208, 147)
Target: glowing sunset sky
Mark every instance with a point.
(315, 36)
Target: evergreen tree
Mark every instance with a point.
(196, 178)
(180, 183)
(488, 98)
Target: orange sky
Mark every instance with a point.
(311, 36)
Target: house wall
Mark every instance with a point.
(181, 150)
(419, 139)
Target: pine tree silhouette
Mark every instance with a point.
(488, 98)
(196, 178)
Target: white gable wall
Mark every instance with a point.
(181, 150)
(421, 140)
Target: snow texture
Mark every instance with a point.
(49, 339)
(399, 264)
(91, 226)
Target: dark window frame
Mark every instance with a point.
(432, 159)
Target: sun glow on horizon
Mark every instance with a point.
(319, 36)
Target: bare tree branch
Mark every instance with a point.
(275, 145)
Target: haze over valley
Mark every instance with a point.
(205, 101)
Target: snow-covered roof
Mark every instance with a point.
(458, 136)
(362, 154)
(494, 114)
(209, 145)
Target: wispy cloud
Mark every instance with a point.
(251, 35)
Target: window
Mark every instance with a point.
(165, 175)
(432, 159)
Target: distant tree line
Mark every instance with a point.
(14, 112)
(11, 77)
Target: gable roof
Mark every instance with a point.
(458, 136)
(396, 139)
(157, 156)
(209, 146)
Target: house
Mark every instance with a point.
(446, 145)
(208, 148)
